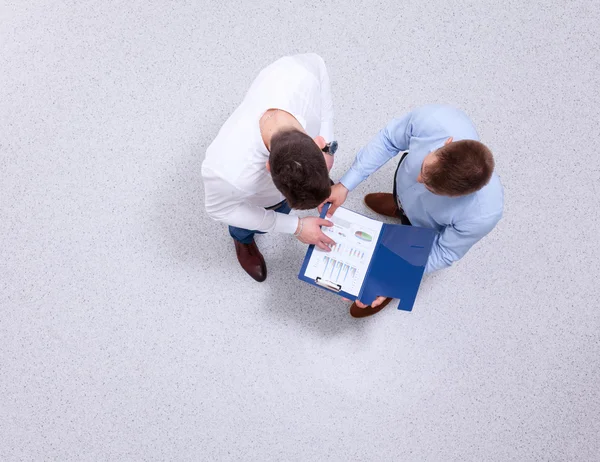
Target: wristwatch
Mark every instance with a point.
(330, 148)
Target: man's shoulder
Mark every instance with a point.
(489, 200)
(230, 155)
(443, 119)
(482, 208)
(311, 61)
(308, 60)
(239, 133)
(236, 180)
(429, 110)
(286, 78)
(291, 67)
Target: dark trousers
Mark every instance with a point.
(403, 218)
(246, 236)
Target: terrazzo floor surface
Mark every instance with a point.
(129, 332)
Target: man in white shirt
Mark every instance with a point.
(274, 153)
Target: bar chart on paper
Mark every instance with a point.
(337, 271)
(346, 251)
(347, 263)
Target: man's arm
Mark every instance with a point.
(391, 140)
(255, 218)
(456, 240)
(226, 204)
(395, 137)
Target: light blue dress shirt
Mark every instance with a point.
(460, 221)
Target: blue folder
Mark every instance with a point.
(396, 268)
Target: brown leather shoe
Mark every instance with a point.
(251, 260)
(383, 204)
(357, 312)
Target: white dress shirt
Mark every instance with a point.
(237, 184)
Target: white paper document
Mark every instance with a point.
(355, 238)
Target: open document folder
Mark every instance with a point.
(369, 259)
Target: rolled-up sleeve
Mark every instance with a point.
(455, 241)
(226, 204)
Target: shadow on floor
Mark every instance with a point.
(289, 299)
(179, 216)
(189, 236)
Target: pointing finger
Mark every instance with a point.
(327, 239)
(322, 246)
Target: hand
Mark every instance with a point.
(311, 232)
(378, 301)
(338, 196)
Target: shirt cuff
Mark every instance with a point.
(352, 179)
(285, 223)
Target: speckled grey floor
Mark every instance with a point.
(127, 329)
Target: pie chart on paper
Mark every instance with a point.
(363, 236)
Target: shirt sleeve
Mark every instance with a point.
(455, 241)
(225, 203)
(391, 140)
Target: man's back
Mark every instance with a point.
(430, 127)
(235, 161)
(275, 137)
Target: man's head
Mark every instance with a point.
(457, 169)
(298, 168)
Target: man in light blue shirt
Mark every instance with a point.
(446, 181)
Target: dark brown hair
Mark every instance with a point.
(298, 169)
(460, 168)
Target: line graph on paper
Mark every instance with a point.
(346, 264)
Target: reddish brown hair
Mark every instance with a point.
(460, 168)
